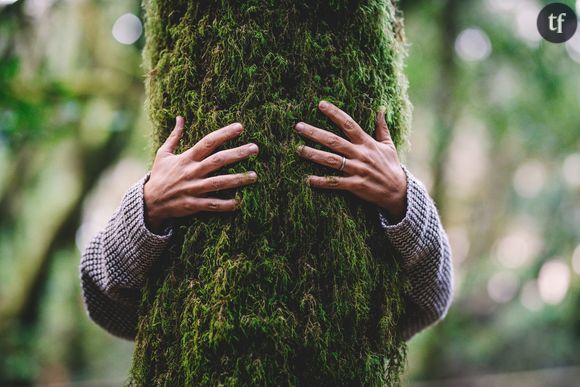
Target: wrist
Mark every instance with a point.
(153, 220)
(395, 204)
(395, 210)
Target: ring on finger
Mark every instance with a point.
(342, 164)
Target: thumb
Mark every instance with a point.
(172, 141)
(382, 130)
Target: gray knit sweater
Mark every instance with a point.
(115, 263)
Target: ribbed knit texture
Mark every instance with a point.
(115, 263)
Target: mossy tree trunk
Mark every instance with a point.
(300, 286)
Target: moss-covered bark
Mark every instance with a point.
(300, 286)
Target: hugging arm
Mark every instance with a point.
(115, 264)
(424, 246)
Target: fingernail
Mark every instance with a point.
(253, 175)
(239, 127)
(254, 148)
(323, 104)
(299, 149)
(299, 127)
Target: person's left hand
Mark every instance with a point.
(373, 170)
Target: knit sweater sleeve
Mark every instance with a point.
(424, 246)
(115, 263)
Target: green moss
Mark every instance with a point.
(300, 286)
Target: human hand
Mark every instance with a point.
(373, 170)
(178, 184)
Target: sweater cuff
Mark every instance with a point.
(141, 246)
(168, 230)
(134, 214)
(405, 234)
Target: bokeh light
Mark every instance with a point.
(526, 15)
(473, 45)
(127, 29)
(554, 281)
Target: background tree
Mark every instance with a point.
(299, 286)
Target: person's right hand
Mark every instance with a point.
(178, 183)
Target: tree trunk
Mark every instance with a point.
(299, 286)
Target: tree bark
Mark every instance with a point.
(300, 286)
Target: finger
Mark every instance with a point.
(172, 141)
(345, 122)
(348, 183)
(212, 204)
(212, 141)
(330, 140)
(382, 130)
(351, 167)
(217, 183)
(225, 157)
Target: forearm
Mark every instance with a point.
(424, 247)
(115, 263)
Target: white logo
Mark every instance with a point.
(560, 19)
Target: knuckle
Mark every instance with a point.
(216, 184)
(333, 160)
(194, 170)
(333, 141)
(372, 159)
(213, 204)
(349, 124)
(363, 171)
(333, 181)
(366, 156)
(217, 160)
